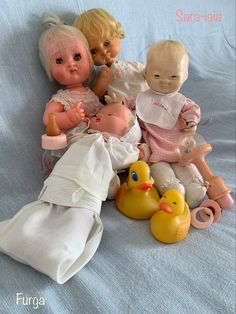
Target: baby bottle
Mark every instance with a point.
(54, 144)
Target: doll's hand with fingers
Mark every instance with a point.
(76, 114)
(191, 127)
(105, 75)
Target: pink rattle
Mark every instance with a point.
(217, 190)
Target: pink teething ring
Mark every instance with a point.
(209, 211)
(202, 224)
(214, 207)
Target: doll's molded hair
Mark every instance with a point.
(56, 36)
(172, 47)
(102, 21)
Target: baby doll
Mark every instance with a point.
(66, 58)
(59, 233)
(104, 33)
(165, 115)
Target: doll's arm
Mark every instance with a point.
(103, 79)
(191, 114)
(64, 119)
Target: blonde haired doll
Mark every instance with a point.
(165, 115)
(104, 33)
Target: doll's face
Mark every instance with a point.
(166, 74)
(110, 118)
(103, 51)
(70, 66)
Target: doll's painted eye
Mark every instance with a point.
(106, 43)
(77, 56)
(174, 77)
(59, 61)
(157, 76)
(134, 176)
(93, 52)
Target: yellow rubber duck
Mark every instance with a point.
(171, 223)
(137, 198)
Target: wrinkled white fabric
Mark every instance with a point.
(159, 109)
(59, 233)
(55, 240)
(127, 79)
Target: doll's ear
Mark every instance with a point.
(145, 73)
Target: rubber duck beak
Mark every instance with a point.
(165, 207)
(145, 186)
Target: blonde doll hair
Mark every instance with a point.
(102, 21)
(172, 48)
(56, 36)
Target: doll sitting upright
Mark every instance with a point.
(104, 33)
(66, 58)
(165, 115)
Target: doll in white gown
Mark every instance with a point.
(60, 232)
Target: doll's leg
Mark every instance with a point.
(165, 178)
(193, 183)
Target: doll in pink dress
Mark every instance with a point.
(165, 115)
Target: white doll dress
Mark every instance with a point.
(58, 234)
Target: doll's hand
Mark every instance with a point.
(191, 128)
(141, 154)
(76, 114)
(144, 152)
(105, 75)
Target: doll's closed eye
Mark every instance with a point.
(77, 57)
(59, 61)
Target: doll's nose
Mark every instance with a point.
(164, 81)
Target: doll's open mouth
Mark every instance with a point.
(97, 119)
(73, 70)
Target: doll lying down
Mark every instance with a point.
(60, 232)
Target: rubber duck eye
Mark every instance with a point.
(174, 203)
(134, 176)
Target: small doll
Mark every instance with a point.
(165, 114)
(60, 232)
(104, 33)
(66, 58)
